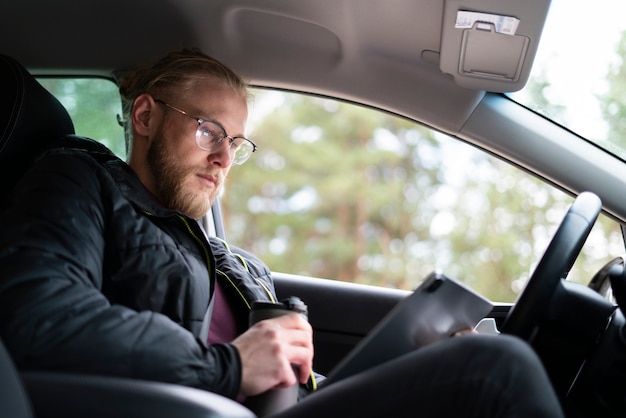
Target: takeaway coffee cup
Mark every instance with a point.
(275, 400)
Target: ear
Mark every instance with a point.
(143, 107)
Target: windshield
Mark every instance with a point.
(579, 75)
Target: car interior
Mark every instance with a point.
(448, 65)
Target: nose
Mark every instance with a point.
(221, 155)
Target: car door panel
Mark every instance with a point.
(343, 313)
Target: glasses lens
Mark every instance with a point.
(209, 135)
(243, 151)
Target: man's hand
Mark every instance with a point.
(269, 348)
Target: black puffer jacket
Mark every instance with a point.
(96, 277)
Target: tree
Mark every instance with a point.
(328, 171)
(348, 193)
(613, 104)
(93, 104)
(354, 194)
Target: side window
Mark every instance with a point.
(93, 104)
(349, 193)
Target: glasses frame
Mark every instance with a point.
(248, 148)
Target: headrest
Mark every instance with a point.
(30, 118)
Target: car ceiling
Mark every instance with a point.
(386, 54)
(382, 53)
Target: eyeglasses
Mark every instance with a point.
(210, 135)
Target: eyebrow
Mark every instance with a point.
(223, 129)
(195, 116)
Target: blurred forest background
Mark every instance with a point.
(349, 193)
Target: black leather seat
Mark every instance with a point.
(55, 395)
(30, 118)
(13, 400)
(31, 121)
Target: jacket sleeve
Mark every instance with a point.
(53, 314)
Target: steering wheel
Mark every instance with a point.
(532, 304)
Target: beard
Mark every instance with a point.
(170, 177)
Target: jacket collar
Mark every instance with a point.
(133, 189)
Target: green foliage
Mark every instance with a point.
(93, 104)
(353, 194)
(613, 104)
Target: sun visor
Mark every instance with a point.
(490, 45)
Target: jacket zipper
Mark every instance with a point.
(208, 261)
(198, 240)
(243, 261)
(245, 266)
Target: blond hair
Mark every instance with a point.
(178, 71)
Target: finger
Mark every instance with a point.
(464, 331)
(292, 321)
(272, 331)
(302, 359)
(305, 374)
(292, 329)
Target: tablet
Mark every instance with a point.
(439, 307)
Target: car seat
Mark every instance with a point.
(31, 121)
(13, 400)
